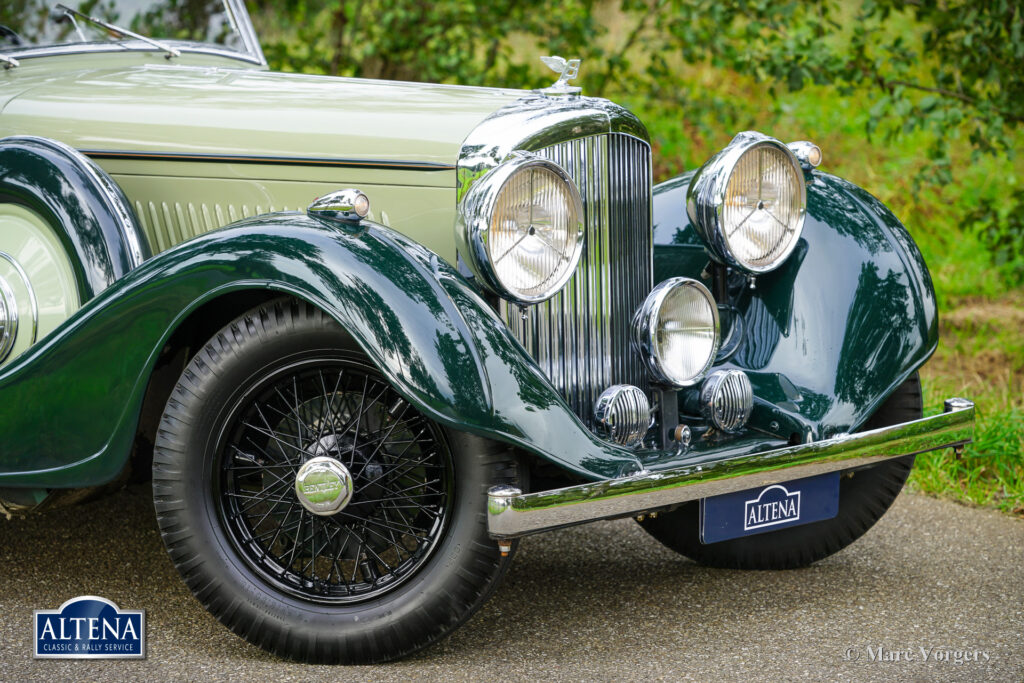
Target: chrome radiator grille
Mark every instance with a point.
(581, 336)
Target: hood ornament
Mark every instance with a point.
(567, 70)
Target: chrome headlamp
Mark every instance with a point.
(677, 332)
(748, 203)
(520, 229)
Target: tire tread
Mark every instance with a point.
(465, 588)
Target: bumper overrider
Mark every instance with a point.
(511, 513)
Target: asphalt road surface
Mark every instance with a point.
(602, 602)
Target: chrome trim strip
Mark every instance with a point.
(136, 46)
(263, 159)
(510, 515)
(8, 318)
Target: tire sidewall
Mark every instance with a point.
(232, 364)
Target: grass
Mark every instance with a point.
(980, 356)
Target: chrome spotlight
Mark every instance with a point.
(623, 414)
(727, 399)
(677, 331)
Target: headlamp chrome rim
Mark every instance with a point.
(645, 329)
(705, 199)
(474, 224)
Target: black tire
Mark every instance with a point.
(864, 496)
(279, 603)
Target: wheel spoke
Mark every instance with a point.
(400, 468)
(282, 527)
(408, 529)
(269, 432)
(405, 468)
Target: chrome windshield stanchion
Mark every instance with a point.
(511, 515)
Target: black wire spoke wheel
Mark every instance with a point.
(311, 508)
(396, 464)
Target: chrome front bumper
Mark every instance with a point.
(511, 513)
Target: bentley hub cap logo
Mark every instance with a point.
(88, 627)
(775, 505)
(323, 485)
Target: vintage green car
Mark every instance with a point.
(364, 335)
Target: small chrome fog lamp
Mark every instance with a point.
(677, 331)
(346, 206)
(807, 153)
(727, 399)
(623, 414)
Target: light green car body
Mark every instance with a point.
(397, 142)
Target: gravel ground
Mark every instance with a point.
(599, 602)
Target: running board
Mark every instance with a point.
(511, 513)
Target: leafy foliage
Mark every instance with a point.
(454, 41)
(26, 23)
(953, 70)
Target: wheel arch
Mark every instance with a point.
(68, 233)
(185, 339)
(91, 215)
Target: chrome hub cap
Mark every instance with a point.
(323, 485)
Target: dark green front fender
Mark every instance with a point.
(830, 334)
(71, 404)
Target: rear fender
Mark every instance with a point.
(88, 211)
